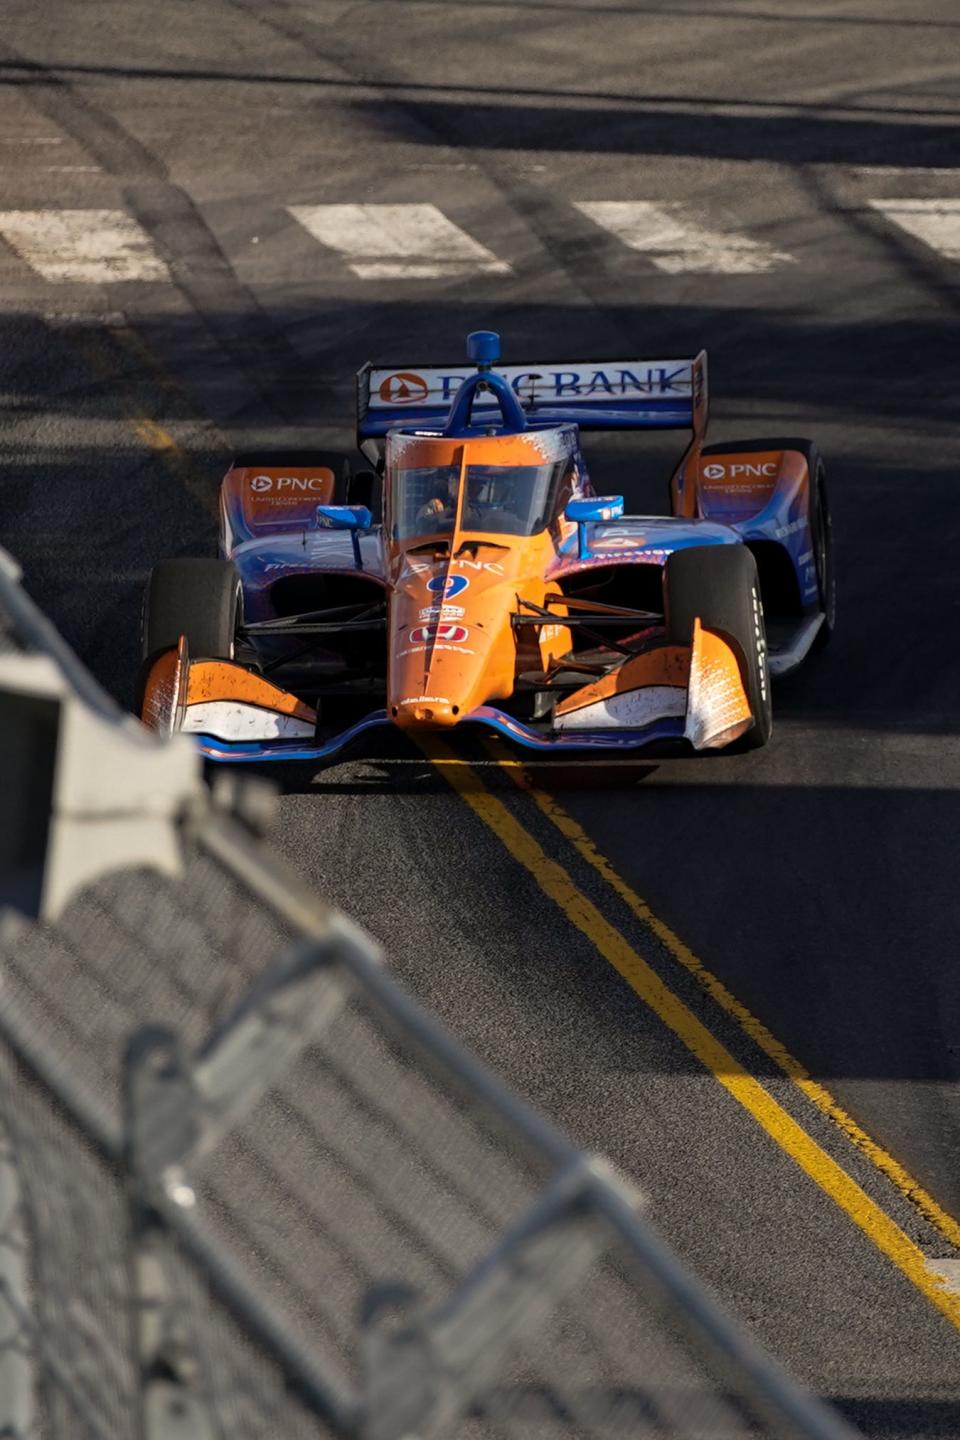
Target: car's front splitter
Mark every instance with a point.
(238, 752)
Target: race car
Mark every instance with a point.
(471, 577)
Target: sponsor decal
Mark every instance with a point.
(289, 484)
(426, 700)
(619, 542)
(448, 585)
(577, 385)
(648, 555)
(446, 634)
(403, 388)
(782, 531)
(722, 472)
(442, 612)
(424, 567)
(419, 649)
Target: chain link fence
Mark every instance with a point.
(249, 1189)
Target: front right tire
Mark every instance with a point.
(718, 584)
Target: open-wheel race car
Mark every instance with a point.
(497, 589)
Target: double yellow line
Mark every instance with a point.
(780, 1126)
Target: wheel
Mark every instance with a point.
(719, 585)
(196, 598)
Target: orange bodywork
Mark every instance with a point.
(165, 690)
(221, 680)
(668, 665)
(701, 682)
(452, 646)
(718, 710)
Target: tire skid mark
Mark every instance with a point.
(573, 248)
(198, 266)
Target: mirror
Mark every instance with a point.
(344, 517)
(594, 507)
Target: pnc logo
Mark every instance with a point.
(447, 585)
(759, 471)
(444, 634)
(296, 484)
(404, 388)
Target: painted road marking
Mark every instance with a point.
(676, 241)
(778, 1124)
(155, 436)
(948, 1273)
(870, 170)
(820, 1096)
(86, 247)
(935, 222)
(398, 242)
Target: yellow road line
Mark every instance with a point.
(555, 882)
(145, 428)
(818, 1094)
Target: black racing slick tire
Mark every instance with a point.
(198, 598)
(718, 585)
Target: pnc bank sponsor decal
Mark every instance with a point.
(403, 388)
(424, 567)
(289, 484)
(559, 384)
(754, 472)
(444, 634)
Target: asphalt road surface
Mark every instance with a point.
(799, 169)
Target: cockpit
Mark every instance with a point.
(500, 485)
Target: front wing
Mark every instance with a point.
(672, 692)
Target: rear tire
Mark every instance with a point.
(196, 598)
(719, 585)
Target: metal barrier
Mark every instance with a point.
(250, 1189)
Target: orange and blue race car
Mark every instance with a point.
(472, 577)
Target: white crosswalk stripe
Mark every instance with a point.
(419, 242)
(89, 247)
(677, 242)
(398, 242)
(935, 222)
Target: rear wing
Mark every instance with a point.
(596, 395)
